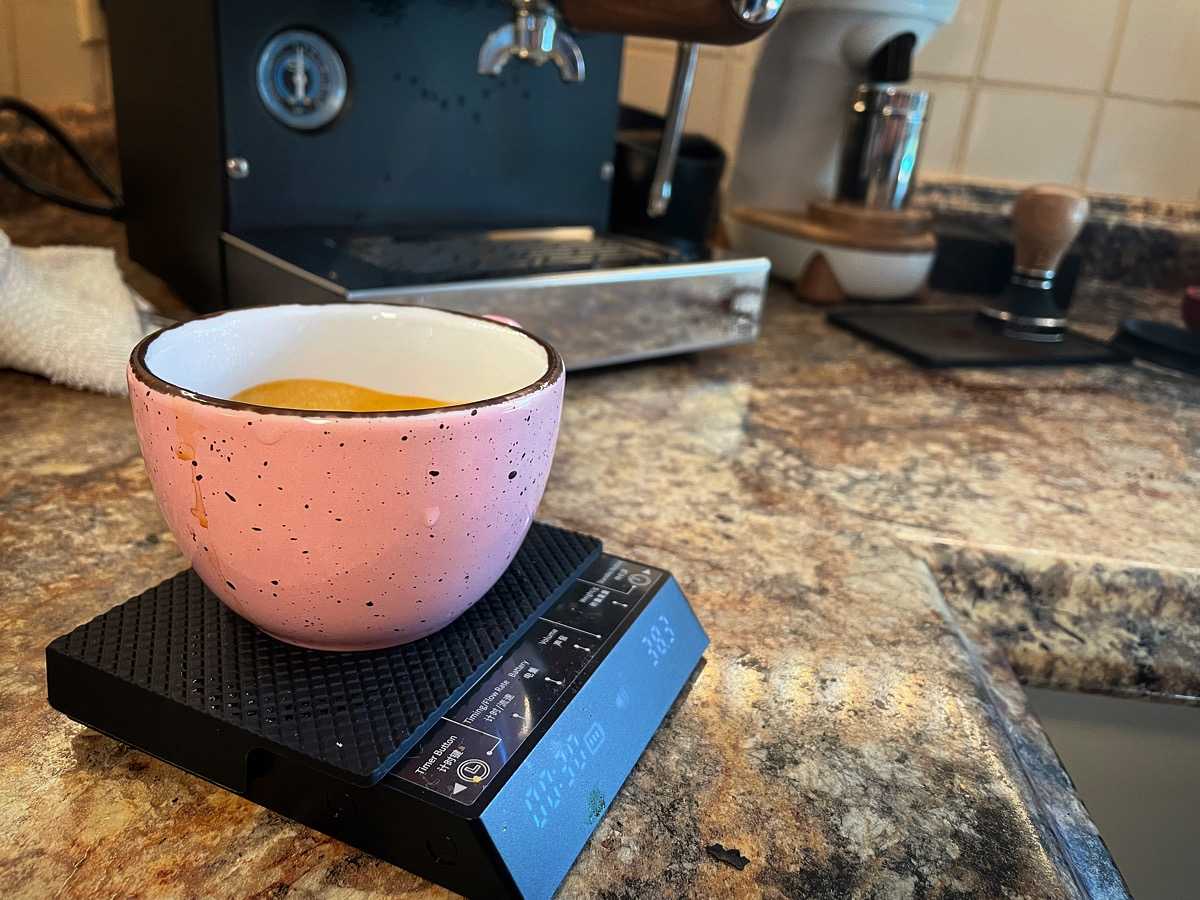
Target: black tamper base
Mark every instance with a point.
(175, 662)
(949, 338)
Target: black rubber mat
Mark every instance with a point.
(145, 669)
(951, 338)
(1161, 343)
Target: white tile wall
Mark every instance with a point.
(1102, 94)
(1160, 51)
(1020, 134)
(1056, 43)
(1143, 148)
(955, 49)
(944, 127)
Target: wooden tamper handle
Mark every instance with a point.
(1046, 218)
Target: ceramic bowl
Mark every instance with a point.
(348, 530)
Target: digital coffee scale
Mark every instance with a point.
(481, 757)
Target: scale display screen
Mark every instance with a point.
(537, 749)
(467, 752)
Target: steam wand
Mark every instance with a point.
(668, 151)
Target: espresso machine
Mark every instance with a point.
(456, 154)
(830, 148)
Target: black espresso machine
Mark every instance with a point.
(455, 153)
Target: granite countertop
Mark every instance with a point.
(872, 548)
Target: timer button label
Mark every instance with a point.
(474, 770)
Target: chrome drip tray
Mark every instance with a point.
(504, 254)
(600, 299)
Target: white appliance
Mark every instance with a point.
(788, 157)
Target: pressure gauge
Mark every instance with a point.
(301, 79)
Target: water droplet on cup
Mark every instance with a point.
(270, 429)
(432, 514)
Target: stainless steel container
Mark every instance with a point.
(881, 145)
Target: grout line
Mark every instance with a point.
(947, 79)
(1155, 101)
(1088, 160)
(1033, 87)
(1084, 171)
(959, 160)
(8, 11)
(1017, 85)
(956, 150)
(97, 64)
(1041, 87)
(986, 36)
(1114, 52)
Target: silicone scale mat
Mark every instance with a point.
(354, 713)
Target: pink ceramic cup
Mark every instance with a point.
(340, 530)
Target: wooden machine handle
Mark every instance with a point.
(1046, 218)
(699, 21)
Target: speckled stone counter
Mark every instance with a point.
(868, 545)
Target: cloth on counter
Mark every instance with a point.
(66, 313)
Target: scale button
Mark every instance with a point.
(474, 770)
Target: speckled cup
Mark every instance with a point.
(348, 531)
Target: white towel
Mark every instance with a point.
(65, 313)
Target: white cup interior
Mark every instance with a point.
(399, 349)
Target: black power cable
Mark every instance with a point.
(22, 179)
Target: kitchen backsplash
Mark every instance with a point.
(1100, 93)
(1103, 94)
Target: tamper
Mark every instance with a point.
(1046, 218)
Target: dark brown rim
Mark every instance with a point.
(137, 362)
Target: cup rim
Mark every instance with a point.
(137, 364)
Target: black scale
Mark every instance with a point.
(481, 757)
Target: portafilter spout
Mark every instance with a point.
(535, 35)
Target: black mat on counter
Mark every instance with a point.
(1160, 343)
(948, 338)
(175, 669)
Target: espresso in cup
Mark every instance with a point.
(317, 393)
(332, 511)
